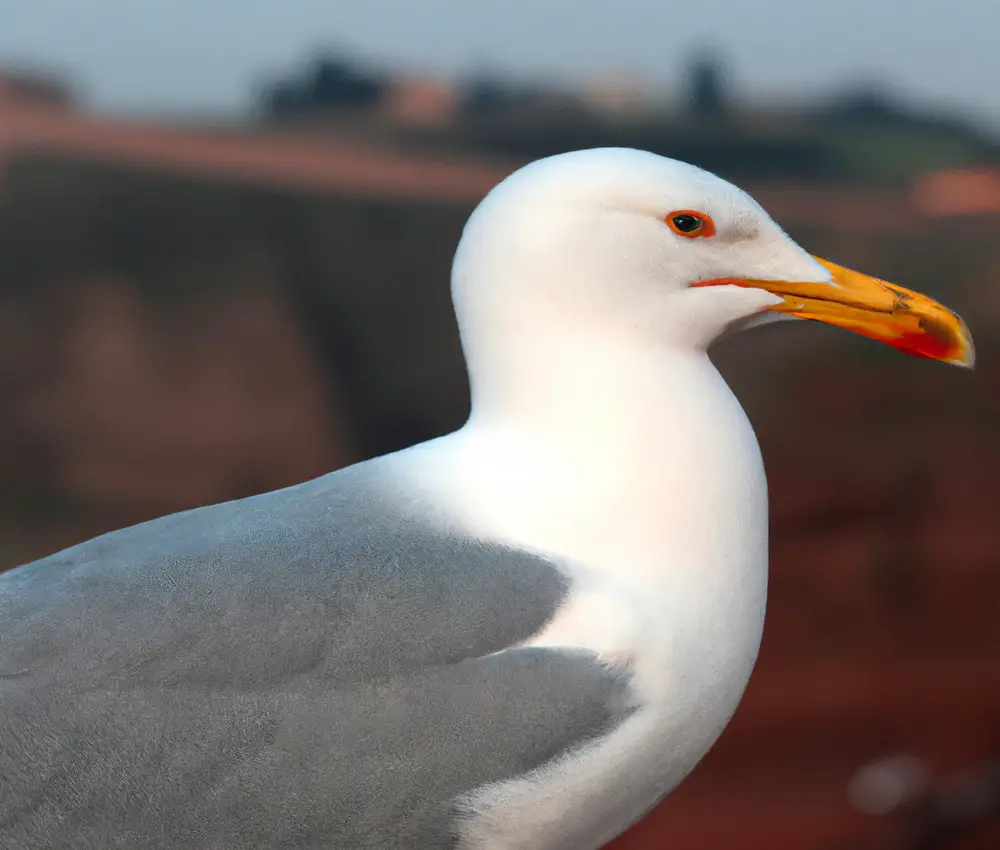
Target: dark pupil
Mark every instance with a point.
(686, 223)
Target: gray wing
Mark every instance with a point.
(313, 667)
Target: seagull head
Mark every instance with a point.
(612, 241)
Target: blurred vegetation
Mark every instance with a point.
(330, 82)
(862, 136)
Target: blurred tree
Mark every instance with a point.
(882, 138)
(485, 93)
(706, 84)
(330, 83)
(868, 102)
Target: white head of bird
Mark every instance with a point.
(622, 243)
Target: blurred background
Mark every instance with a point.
(225, 238)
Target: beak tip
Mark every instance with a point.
(966, 357)
(968, 361)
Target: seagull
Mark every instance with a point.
(523, 634)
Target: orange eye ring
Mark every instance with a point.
(691, 224)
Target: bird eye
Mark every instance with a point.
(690, 224)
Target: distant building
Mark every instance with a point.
(420, 100)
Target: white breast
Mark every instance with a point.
(661, 519)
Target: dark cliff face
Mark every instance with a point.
(169, 340)
(115, 411)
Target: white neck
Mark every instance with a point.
(615, 452)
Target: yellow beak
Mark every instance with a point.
(906, 320)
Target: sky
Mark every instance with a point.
(173, 56)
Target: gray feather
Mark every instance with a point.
(312, 667)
